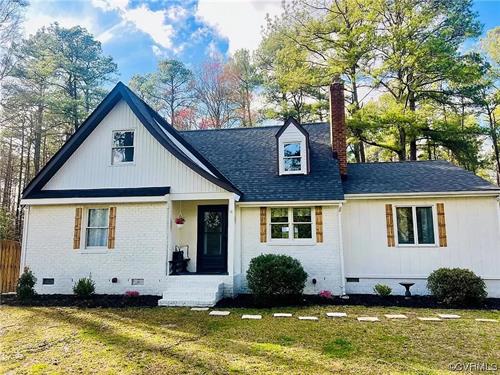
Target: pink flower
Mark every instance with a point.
(326, 294)
(132, 293)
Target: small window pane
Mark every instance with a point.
(97, 237)
(123, 155)
(279, 215)
(279, 231)
(302, 231)
(292, 149)
(425, 225)
(405, 225)
(121, 139)
(98, 217)
(301, 215)
(293, 164)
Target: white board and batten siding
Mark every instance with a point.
(90, 165)
(473, 242)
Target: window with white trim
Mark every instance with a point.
(122, 150)
(96, 231)
(291, 223)
(415, 225)
(292, 157)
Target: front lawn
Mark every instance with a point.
(178, 340)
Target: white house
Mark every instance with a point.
(106, 205)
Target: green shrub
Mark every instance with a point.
(26, 285)
(382, 290)
(272, 275)
(457, 286)
(84, 287)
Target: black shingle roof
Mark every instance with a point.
(411, 177)
(249, 159)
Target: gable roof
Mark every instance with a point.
(433, 176)
(247, 156)
(291, 121)
(165, 134)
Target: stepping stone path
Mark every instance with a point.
(486, 320)
(282, 315)
(396, 316)
(219, 313)
(308, 318)
(199, 308)
(449, 316)
(429, 319)
(254, 317)
(368, 319)
(336, 315)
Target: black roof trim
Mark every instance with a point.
(288, 122)
(140, 109)
(103, 193)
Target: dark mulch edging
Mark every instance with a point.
(69, 300)
(368, 300)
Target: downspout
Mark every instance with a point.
(24, 252)
(498, 212)
(341, 251)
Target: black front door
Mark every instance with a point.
(212, 239)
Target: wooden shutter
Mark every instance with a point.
(319, 223)
(263, 224)
(111, 227)
(443, 241)
(78, 228)
(389, 222)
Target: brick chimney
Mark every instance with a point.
(338, 131)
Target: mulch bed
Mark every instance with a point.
(242, 300)
(368, 300)
(98, 300)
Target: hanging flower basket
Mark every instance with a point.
(179, 221)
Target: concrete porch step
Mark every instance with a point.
(192, 293)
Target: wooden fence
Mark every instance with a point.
(10, 259)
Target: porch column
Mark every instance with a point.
(231, 228)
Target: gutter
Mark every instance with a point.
(490, 193)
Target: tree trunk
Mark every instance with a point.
(494, 139)
(413, 140)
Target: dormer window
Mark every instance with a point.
(122, 150)
(292, 157)
(293, 144)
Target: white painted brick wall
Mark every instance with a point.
(140, 250)
(321, 260)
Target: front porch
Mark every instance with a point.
(200, 259)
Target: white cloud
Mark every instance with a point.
(238, 20)
(37, 17)
(177, 13)
(151, 22)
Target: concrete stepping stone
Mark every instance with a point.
(254, 317)
(448, 316)
(282, 315)
(219, 313)
(336, 315)
(486, 320)
(396, 316)
(430, 319)
(199, 308)
(314, 318)
(368, 319)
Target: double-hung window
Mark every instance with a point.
(292, 157)
(97, 227)
(415, 225)
(123, 147)
(293, 223)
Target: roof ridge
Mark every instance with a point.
(248, 128)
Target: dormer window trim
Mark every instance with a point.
(283, 140)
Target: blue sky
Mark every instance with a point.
(139, 32)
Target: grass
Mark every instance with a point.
(177, 340)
